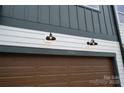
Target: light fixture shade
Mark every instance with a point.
(92, 42)
(50, 37)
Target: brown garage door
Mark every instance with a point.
(39, 70)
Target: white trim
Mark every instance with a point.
(97, 8)
(120, 13)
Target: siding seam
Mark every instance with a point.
(85, 18)
(93, 21)
(110, 20)
(105, 21)
(77, 17)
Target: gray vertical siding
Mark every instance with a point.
(102, 21)
(73, 17)
(78, 19)
(96, 22)
(54, 15)
(107, 20)
(89, 21)
(81, 18)
(111, 18)
(43, 14)
(64, 16)
(5, 11)
(19, 12)
(31, 13)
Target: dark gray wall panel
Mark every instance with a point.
(96, 22)
(89, 20)
(54, 15)
(43, 14)
(0, 8)
(18, 12)
(102, 21)
(73, 17)
(6, 11)
(31, 13)
(81, 19)
(11, 11)
(112, 20)
(64, 17)
(50, 28)
(107, 20)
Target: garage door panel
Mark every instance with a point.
(59, 84)
(44, 70)
(94, 73)
(101, 82)
(81, 83)
(85, 61)
(88, 76)
(52, 79)
(84, 69)
(17, 71)
(18, 81)
(52, 61)
(90, 63)
(52, 69)
(5, 62)
(86, 84)
(17, 74)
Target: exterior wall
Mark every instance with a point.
(74, 20)
(73, 26)
(13, 36)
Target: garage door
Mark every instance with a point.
(41, 70)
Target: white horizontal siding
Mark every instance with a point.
(121, 28)
(32, 38)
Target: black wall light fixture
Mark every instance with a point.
(50, 37)
(92, 42)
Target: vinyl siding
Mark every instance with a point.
(33, 38)
(122, 32)
(31, 13)
(75, 20)
(64, 16)
(43, 16)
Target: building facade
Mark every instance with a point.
(28, 58)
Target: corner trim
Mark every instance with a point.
(116, 71)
